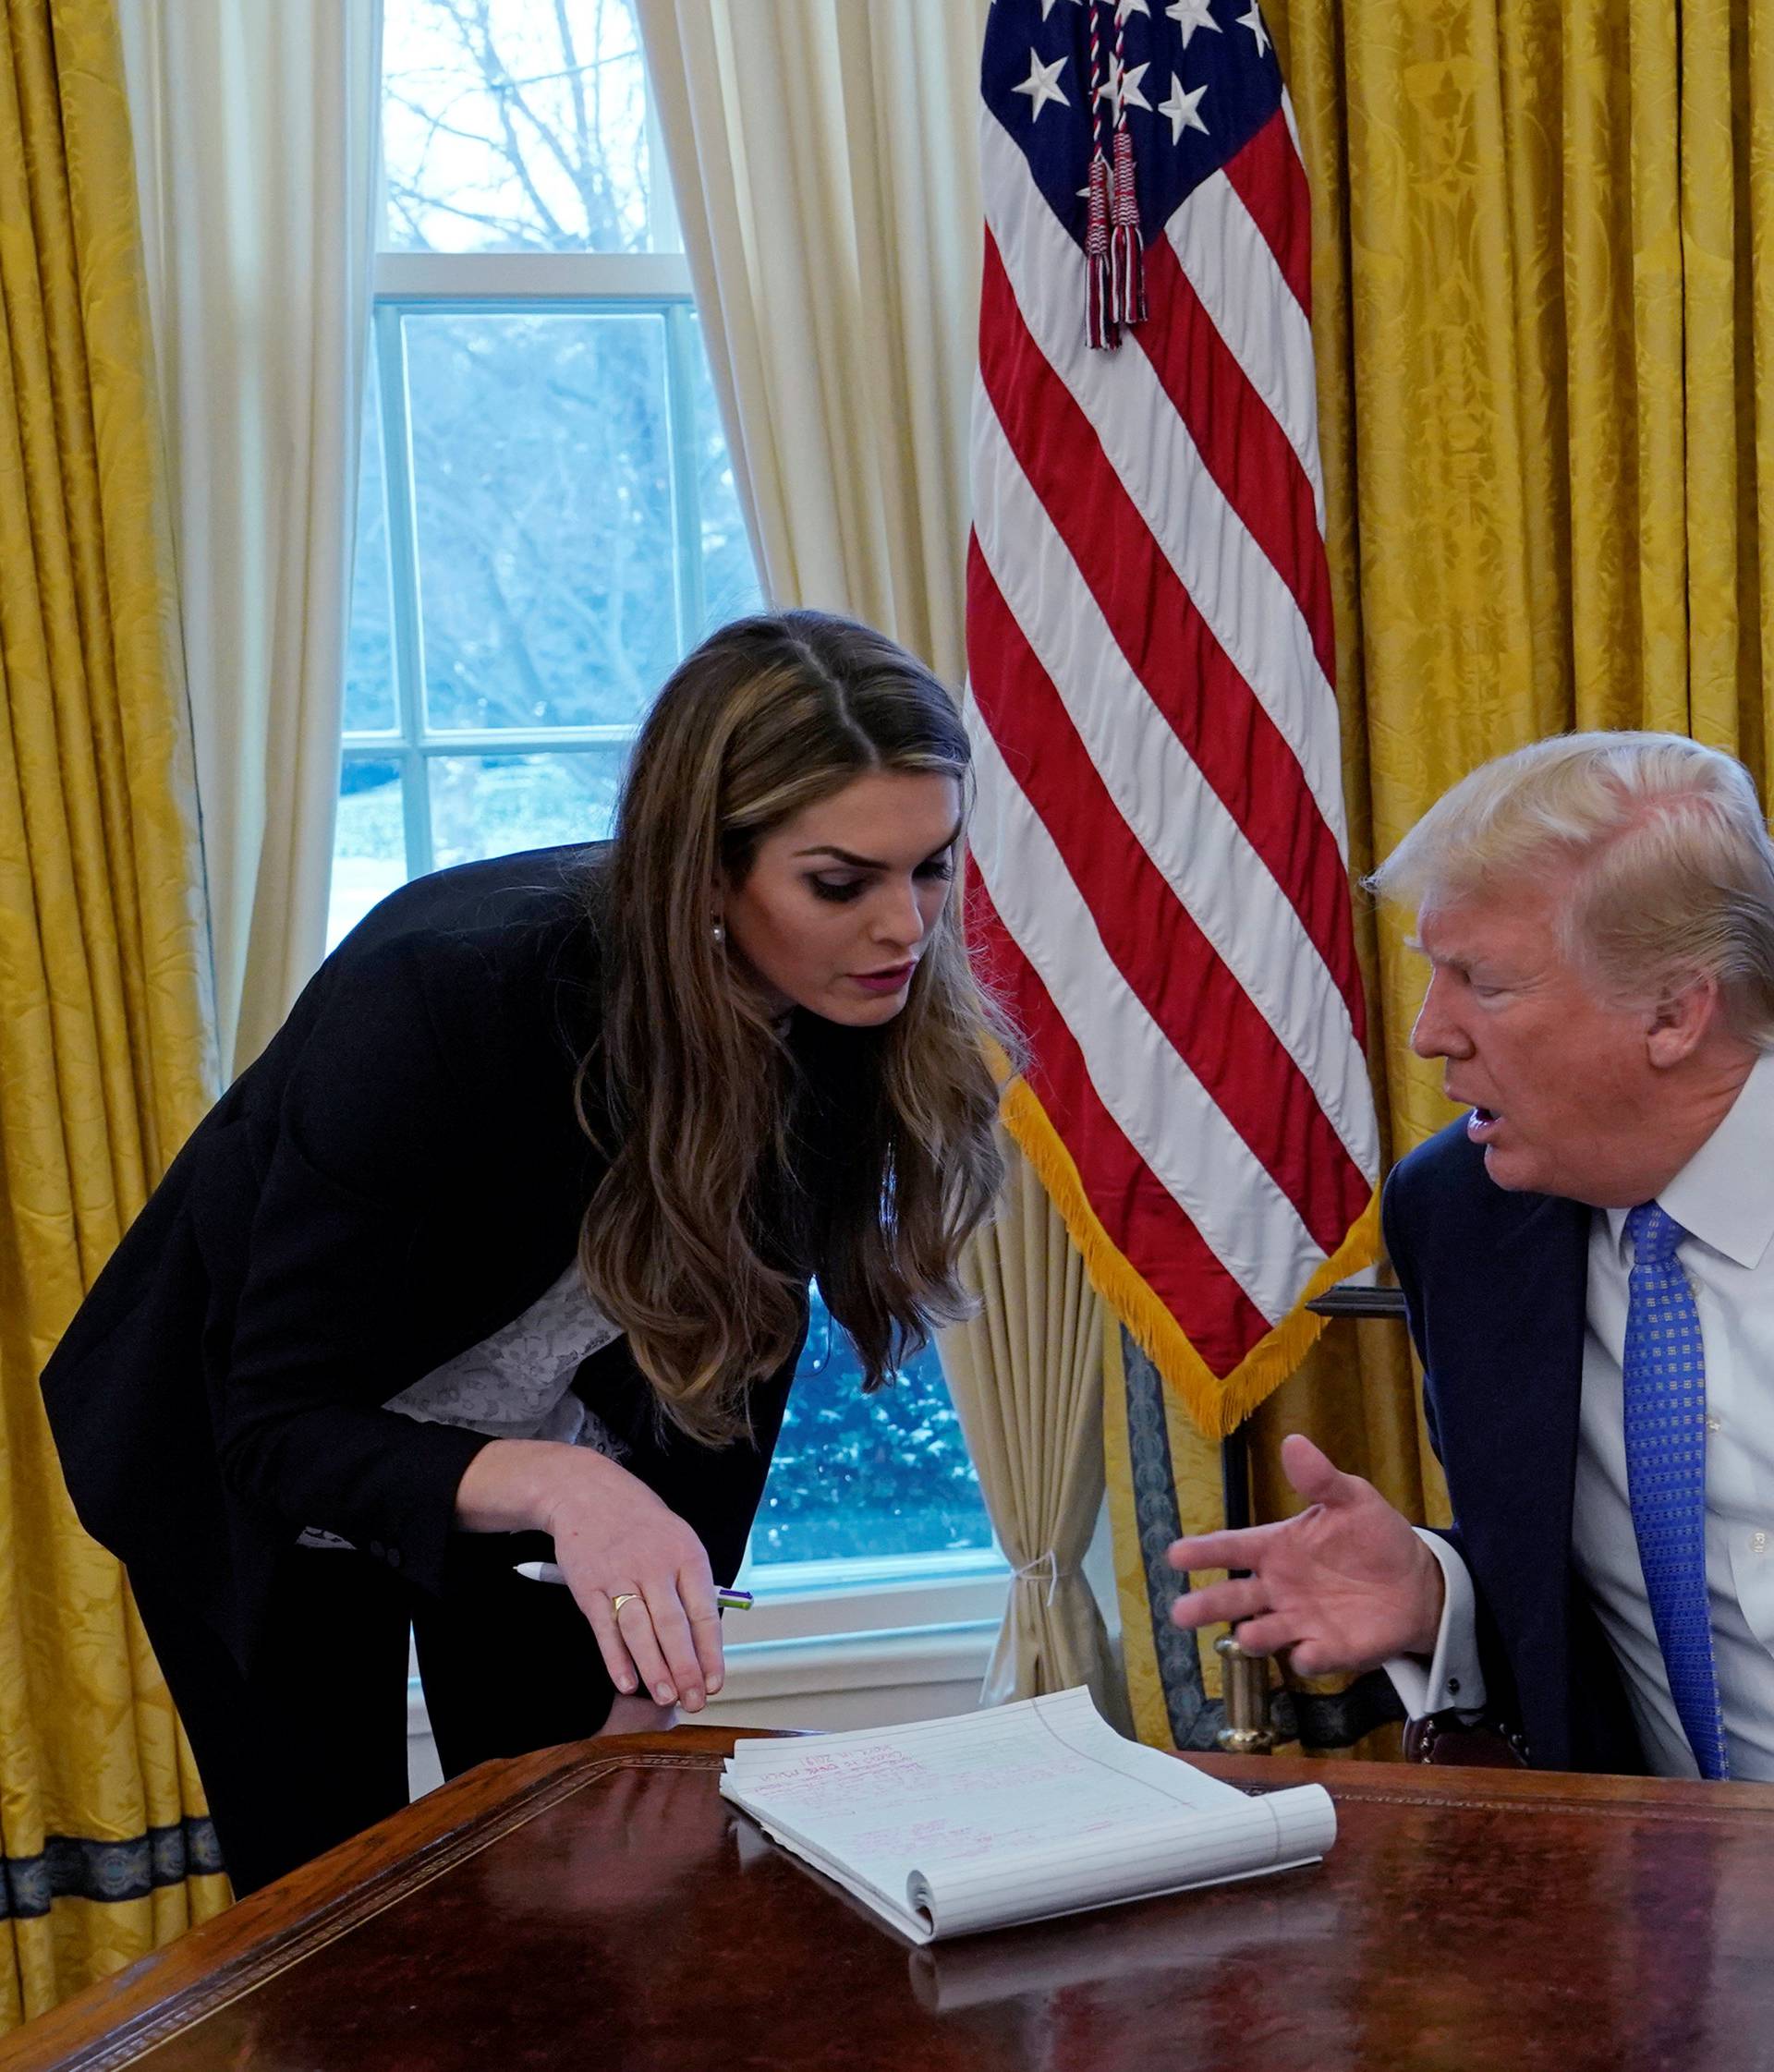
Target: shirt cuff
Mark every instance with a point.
(1452, 1677)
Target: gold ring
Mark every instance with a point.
(624, 1597)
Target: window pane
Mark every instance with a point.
(369, 843)
(511, 126)
(369, 699)
(488, 806)
(856, 1476)
(541, 477)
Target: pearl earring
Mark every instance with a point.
(718, 930)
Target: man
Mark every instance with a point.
(1587, 1258)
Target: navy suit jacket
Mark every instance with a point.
(1496, 1283)
(400, 1173)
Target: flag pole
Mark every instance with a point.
(1244, 1679)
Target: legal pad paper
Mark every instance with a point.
(1020, 1813)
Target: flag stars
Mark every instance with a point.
(1042, 84)
(1182, 109)
(1046, 8)
(1191, 15)
(1125, 8)
(1122, 88)
(1254, 22)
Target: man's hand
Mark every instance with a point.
(1347, 1584)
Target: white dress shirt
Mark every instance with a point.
(1724, 1198)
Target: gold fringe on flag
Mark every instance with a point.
(1218, 1405)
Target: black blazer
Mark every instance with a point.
(1496, 1283)
(398, 1176)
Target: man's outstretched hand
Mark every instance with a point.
(1345, 1585)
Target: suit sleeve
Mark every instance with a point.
(376, 1131)
(1477, 1628)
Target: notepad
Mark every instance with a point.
(1020, 1813)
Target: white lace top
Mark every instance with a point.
(517, 1383)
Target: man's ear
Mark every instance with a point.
(1680, 1019)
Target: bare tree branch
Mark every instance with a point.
(511, 230)
(563, 28)
(518, 128)
(506, 92)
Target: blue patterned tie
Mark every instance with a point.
(1665, 1375)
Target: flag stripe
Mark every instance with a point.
(1231, 737)
(1231, 268)
(1243, 603)
(1153, 784)
(1155, 1099)
(1151, 1232)
(1211, 1022)
(1241, 444)
(1271, 182)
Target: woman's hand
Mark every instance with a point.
(637, 1716)
(613, 1538)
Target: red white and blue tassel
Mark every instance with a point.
(1104, 330)
(1127, 263)
(1113, 253)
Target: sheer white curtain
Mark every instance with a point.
(256, 125)
(827, 179)
(1026, 1378)
(825, 159)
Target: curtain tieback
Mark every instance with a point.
(1045, 1568)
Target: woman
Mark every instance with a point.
(500, 1249)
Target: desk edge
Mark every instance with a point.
(144, 2005)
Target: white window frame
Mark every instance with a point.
(497, 283)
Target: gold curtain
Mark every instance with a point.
(1543, 278)
(104, 1059)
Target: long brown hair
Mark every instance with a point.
(744, 1155)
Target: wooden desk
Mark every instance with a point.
(601, 1909)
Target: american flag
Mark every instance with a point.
(1158, 881)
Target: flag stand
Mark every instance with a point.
(1244, 1678)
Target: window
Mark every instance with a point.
(547, 515)
(547, 522)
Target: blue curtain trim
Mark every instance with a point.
(72, 1868)
(1195, 1718)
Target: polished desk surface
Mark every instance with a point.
(599, 1906)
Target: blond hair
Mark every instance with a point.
(743, 1159)
(1671, 868)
